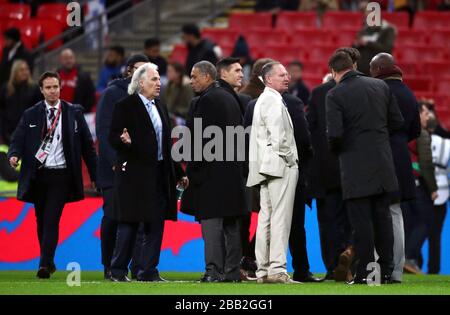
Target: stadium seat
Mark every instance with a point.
(289, 20)
(443, 86)
(438, 69)
(344, 36)
(410, 68)
(440, 37)
(221, 36)
(311, 37)
(264, 37)
(431, 20)
(283, 53)
(416, 53)
(419, 83)
(246, 21)
(15, 11)
(53, 11)
(339, 19)
(179, 54)
(320, 53)
(227, 50)
(30, 32)
(410, 37)
(399, 19)
(50, 29)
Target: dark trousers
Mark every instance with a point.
(371, 221)
(417, 216)
(223, 252)
(148, 259)
(334, 228)
(51, 188)
(248, 245)
(297, 237)
(434, 240)
(108, 228)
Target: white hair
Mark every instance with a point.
(138, 75)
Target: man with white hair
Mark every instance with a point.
(145, 174)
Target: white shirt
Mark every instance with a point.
(55, 158)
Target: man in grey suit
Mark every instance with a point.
(273, 164)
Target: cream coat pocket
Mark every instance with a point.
(272, 164)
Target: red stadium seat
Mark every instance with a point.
(53, 11)
(15, 11)
(440, 37)
(438, 69)
(51, 29)
(30, 32)
(245, 21)
(311, 37)
(284, 53)
(399, 19)
(410, 37)
(221, 36)
(339, 19)
(443, 86)
(416, 53)
(320, 53)
(227, 50)
(265, 37)
(289, 20)
(344, 37)
(431, 20)
(410, 68)
(179, 54)
(419, 83)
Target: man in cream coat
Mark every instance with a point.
(273, 164)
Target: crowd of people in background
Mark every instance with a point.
(406, 202)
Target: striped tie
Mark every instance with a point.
(157, 125)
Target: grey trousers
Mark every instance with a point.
(223, 251)
(399, 241)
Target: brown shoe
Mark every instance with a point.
(341, 273)
(412, 268)
(281, 277)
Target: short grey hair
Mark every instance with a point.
(138, 75)
(267, 69)
(206, 67)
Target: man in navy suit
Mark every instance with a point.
(50, 139)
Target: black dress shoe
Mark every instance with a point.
(210, 279)
(308, 278)
(231, 280)
(52, 268)
(357, 281)
(43, 273)
(120, 279)
(107, 274)
(329, 276)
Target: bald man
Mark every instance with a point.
(76, 86)
(383, 67)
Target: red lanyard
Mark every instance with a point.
(55, 122)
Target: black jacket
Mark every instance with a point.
(203, 51)
(77, 143)
(216, 187)
(399, 140)
(241, 99)
(323, 173)
(84, 91)
(13, 106)
(135, 181)
(114, 93)
(361, 111)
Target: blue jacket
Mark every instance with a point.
(114, 93)
(77, 143)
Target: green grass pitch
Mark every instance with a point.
(184, 283)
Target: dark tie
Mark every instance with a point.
(51, 116)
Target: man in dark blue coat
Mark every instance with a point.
(50, 139)
(114, 93)
(383, 67)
